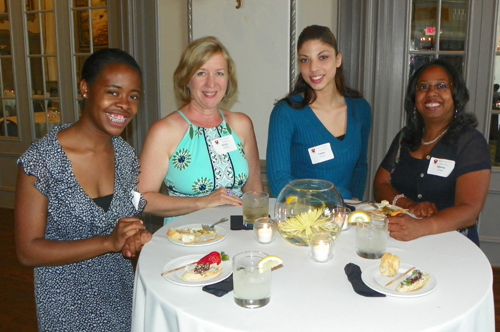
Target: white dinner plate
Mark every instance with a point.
(219, 236)
(372, 277)
(176, 277)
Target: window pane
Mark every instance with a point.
(8, 114)
(418, 60)
(81, 3)
(80, 60)
(456, 61)
(82, 31)
(36, 75)
(49, 33)
(7, 77)
(34, 38)
(423, 25)
(453, 25)
(100, 28)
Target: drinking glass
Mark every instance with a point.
(252, 287)
(255, 205)
(371, 237)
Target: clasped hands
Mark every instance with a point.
(405, 228)
(129, 236)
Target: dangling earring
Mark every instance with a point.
(414, 115)
(456, 112)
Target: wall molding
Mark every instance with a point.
(293, 33)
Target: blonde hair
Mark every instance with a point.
(196, 55)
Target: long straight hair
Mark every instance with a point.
(325, 35)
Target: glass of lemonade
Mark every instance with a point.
(371, 237)
(252, 287)
(255, 206)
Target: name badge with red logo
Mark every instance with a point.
(320, 153)
(224, 144)
(440, 167)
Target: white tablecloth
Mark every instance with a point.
(310, 296)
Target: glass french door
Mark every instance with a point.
(438, 30)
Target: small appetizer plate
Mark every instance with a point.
(372, 277)
(176, 277)
(205, 240)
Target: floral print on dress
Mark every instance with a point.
(182, 159)
(241, 179)
(196, 169)
(203, 186)
(240, 148)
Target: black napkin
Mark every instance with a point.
(353, 273)
(221, 288)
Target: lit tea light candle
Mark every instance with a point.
(321, 251)
(265, 233)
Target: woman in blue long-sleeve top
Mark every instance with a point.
(320, 129)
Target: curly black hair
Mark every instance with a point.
(460, 95)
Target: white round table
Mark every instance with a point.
(310, 296)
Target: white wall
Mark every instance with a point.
(245, 31)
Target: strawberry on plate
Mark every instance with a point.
(211, 258)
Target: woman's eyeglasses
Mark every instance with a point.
(440, 87)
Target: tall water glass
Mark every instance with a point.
(371, 237)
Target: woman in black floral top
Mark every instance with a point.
(77, 202)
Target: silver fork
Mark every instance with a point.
(211, 227)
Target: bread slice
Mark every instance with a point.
(389, 265)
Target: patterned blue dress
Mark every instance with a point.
(196, 169)
(95, 294)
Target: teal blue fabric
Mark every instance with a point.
(292, 132)
(195, 169)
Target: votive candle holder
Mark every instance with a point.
(264, 230)
(321, 247)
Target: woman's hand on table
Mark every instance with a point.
(423, 209)
(405, 228)
(221, 196)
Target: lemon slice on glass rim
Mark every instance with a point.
(269, 262)
(358, 216)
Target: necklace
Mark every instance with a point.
(434, 140)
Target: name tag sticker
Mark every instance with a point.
(440, 167)
(320, 153)
(224, 144)
(136, 197)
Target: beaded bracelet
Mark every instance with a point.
(395, 200)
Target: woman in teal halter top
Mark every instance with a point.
(204, 155)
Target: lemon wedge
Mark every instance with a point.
(358, 216)
(291, 199)
(269, 262)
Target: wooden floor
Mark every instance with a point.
(17, 305)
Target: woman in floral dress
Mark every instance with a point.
(206, 156)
